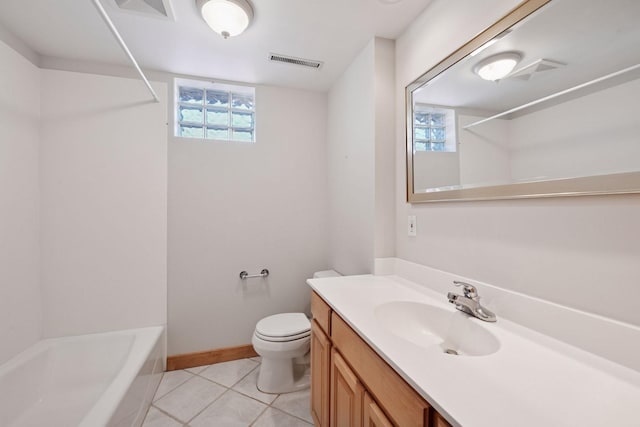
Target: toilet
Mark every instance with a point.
(283, 341)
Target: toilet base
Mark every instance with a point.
(278, 376)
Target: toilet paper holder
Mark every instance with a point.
(245, 275)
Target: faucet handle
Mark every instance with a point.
(468, 290)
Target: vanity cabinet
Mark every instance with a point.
(355, 386)
(438, 421)
(347, 393)
(320, 374)
(372, 414)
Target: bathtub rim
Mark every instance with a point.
(105, 407)
(100, 413)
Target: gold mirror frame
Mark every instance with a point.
(621, 183)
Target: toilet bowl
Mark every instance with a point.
(283, 341)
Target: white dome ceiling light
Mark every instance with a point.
(498, 66)
(226, 17)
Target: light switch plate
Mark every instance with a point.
(412, 226)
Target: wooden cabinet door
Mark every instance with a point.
(320, 375)
(373, 415)
(439, 421)
(347, 394)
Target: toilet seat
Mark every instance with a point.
(283, 327)
(283, 339)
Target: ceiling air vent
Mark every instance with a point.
(536, 67)
(156, 8)
(295, 61)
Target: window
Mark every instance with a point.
(433, 129)
(215, 111)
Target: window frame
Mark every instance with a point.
(220, 88)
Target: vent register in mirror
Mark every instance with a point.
(562, 122)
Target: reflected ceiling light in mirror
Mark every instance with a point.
(226, 17)
(497, 66)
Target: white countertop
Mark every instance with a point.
(532, 380)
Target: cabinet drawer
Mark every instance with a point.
(321, 312)
(401, 403)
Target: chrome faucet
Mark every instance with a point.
(469, 302)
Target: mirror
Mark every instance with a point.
(545, 102)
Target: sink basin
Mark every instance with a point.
(451, 332)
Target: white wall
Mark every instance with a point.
(351, 153)
(433, 169)
(104, 203)
(484, 151)
(603, 126)
(385, 171)
(582, 252)
(20, 302)
(242, 206)
(360, 167)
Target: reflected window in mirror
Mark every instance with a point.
(434, 129)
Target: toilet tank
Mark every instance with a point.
(325, 273)
(320, 275)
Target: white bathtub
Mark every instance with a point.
(94, 380)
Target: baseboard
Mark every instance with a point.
(191, 360)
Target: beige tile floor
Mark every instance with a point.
(225, 395)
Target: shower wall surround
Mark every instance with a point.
(20, 302)
(103, 165)
(83, 178)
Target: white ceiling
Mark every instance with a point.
(331, 31)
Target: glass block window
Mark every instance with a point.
(215, 111)
(433, 129)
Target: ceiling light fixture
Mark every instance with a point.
(226, 17)
(495, 67)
